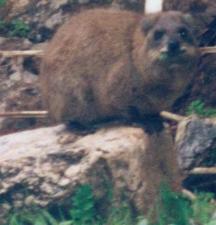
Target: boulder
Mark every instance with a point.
(44, 166)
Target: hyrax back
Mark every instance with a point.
(106, 64)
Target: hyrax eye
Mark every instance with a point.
(183, 33)
(158, 35)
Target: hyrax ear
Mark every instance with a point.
(148, 22)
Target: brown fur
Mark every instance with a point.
(103, 64)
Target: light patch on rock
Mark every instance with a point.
(15, 76)
(57, 4)
(54, 20)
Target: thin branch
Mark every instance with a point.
(25, 114)
(172, 116)
(14, 53)
(188, 194)
(203, 170)
(43, 114)
(21, 53)
(208, 50)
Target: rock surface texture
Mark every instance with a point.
(195, 141)
(38, 167)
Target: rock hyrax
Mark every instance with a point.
(111, 64)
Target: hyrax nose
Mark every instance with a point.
(174, 46)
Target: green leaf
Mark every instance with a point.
(198, 107)
(69, 222)
(14, 220)
(49, 218)
(40, 220)
(83, 210)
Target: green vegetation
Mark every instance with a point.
(14, 28)
(81, 210)
(120, 216)
(83, 207)
(2, 2)
(18, 28)
(203, 210)
(172, 209)
(198, 107)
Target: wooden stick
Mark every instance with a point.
(203, 170)
(14, 53)
(43, 114)
(25, 114)
(172, 116)
(208, 50)
(188, 194)
(21, 53)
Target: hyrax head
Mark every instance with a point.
(169, 38)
